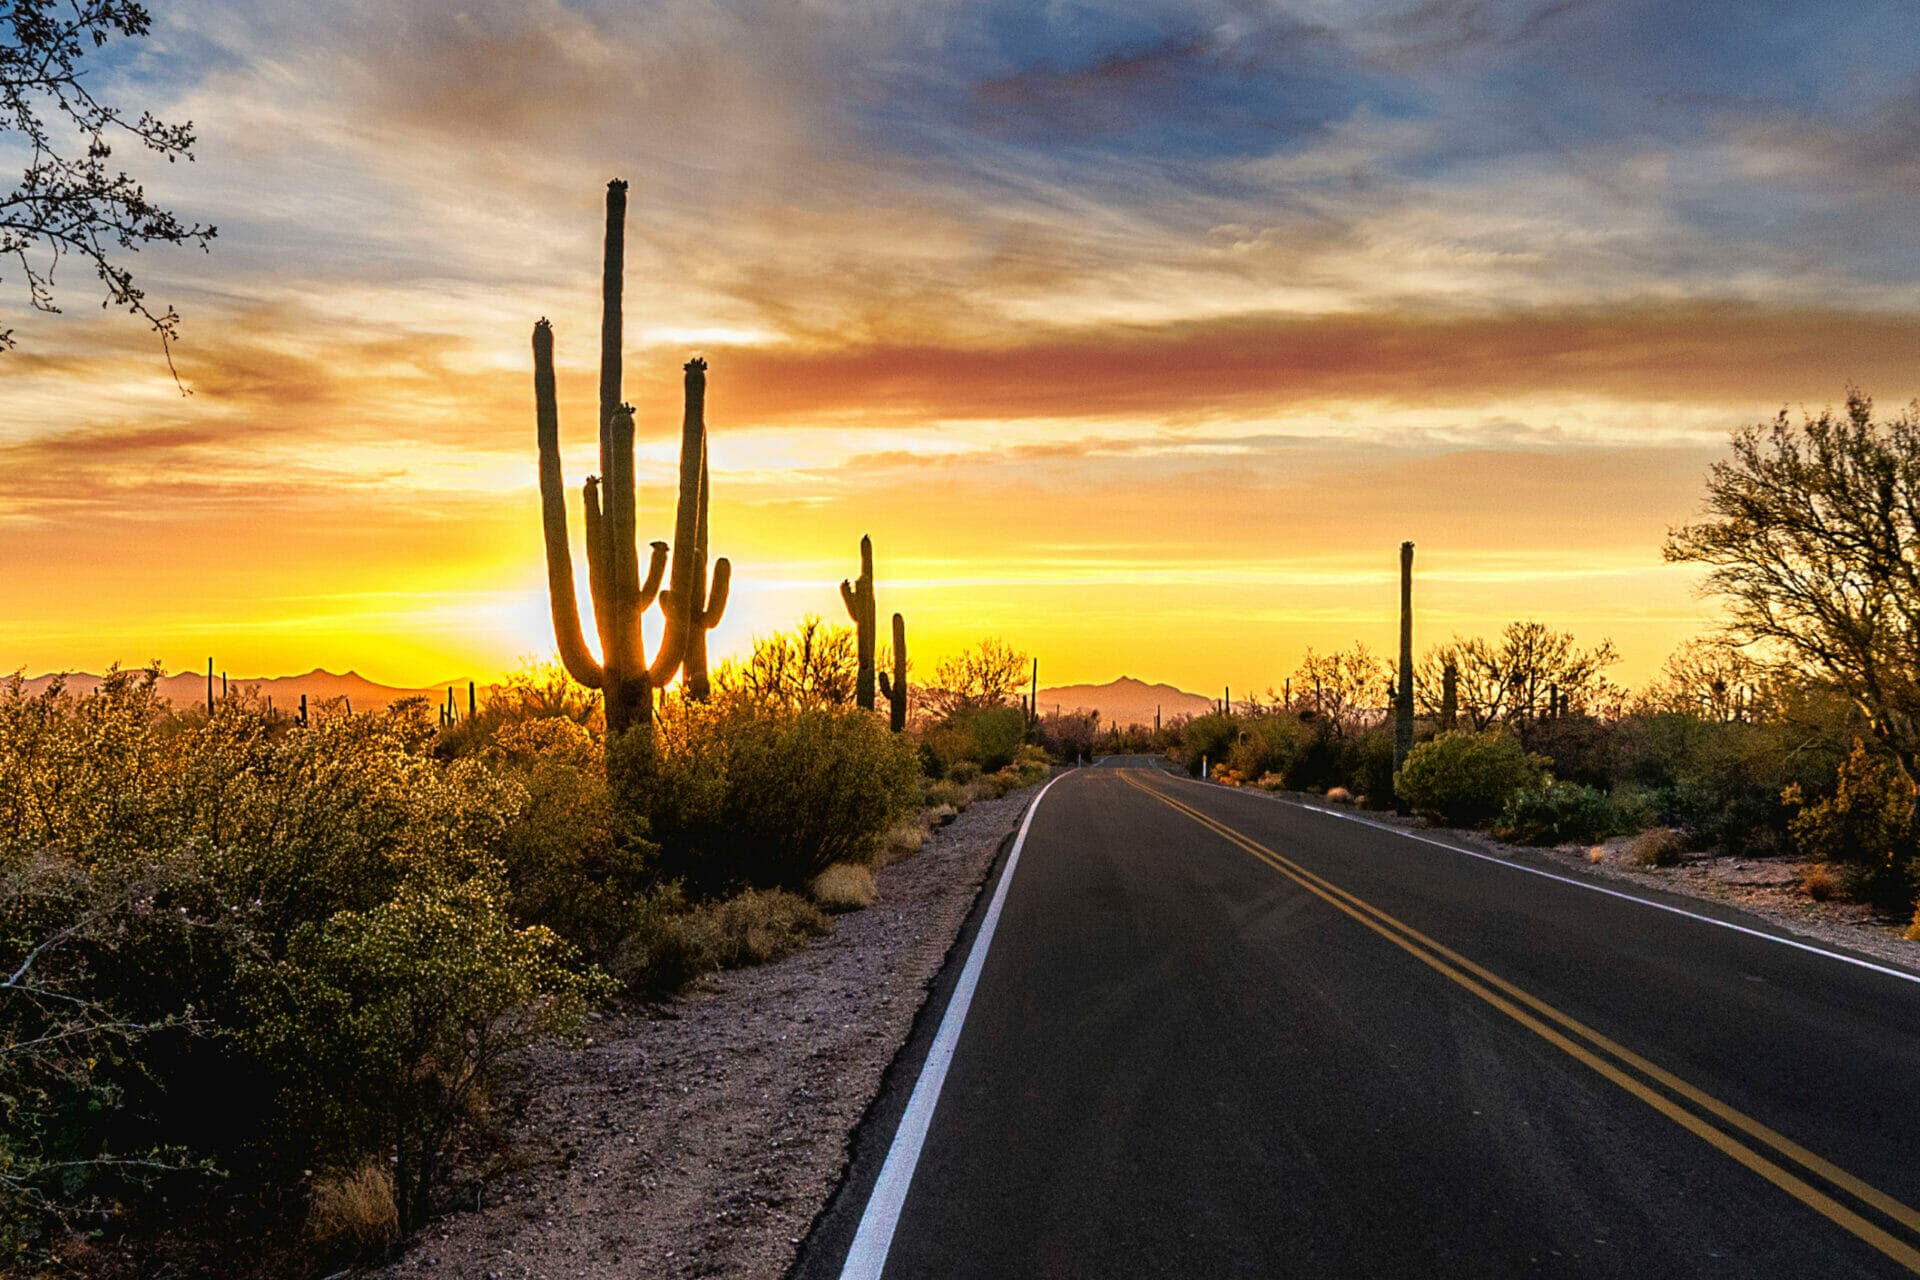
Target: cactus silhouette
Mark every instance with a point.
(895, 690)
(692, 606)
(1449, 695)
(1403, 690)
(859, 597)
(623, 675)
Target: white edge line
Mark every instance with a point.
(867, 1257)
(1902, 974)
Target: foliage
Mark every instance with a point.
(1465, 777)
(1270, 744)
(990, 675)
(1516, 676)
(1207, 739)
(813, 666)
(1657, 847)
(76, 203)
(1812, 538)
(674, 943)
(1711, 679)
(744, 795)
(1557, 813)
(1866, 828)
(1348, 689)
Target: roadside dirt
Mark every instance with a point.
(1767, 887)
(700, 1138)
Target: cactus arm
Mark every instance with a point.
(612, 274)
(650, 589)
(597, 563)
(717, 597)
(886, 686)
(567, 633)
(852, 600)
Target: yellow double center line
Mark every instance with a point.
(1612, 1060)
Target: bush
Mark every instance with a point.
(1558, 813)
(1659, 847)
(763, 797)
(1865, 829)
(674, 943)
(992, 735)
(1207, 739)
(844, 886)
(963, 772)
(1275, 744)
(1466, 778)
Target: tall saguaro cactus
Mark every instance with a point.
(623, 674)
(1449, 695)
(859, 597)
(1403, 691)
(691, 606)
(895, 690)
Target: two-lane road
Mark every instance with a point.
(1206, 1033)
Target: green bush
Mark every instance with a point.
(1276, 744)
(1557, 813)
(1207, 739)
(744, 796)
(1866, 828)
(1466, 778)
(673, 942)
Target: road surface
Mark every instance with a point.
(1202, 1032)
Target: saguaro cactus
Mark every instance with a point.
(859, 597)
(623, 674)
(895, 690)
(1449, 695)
(1403, 690)
(691, 606)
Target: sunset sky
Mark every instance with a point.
(1138, 334)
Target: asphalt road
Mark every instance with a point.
(1214, 1034)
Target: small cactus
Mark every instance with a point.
(858, 595)
(895, 689)
(1449, 695)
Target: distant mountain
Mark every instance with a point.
(189, 688)
(1126, 700)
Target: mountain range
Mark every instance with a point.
(189, 688)
(1126, 700)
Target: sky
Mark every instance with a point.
(1137, 334)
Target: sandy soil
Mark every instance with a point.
(701, 1138)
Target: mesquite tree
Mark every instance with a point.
(1812, 537)
(76, 205)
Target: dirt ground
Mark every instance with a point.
(700, 1138)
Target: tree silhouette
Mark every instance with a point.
(71, 203)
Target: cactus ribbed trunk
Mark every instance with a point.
(895, 689)
(859, 599)
(693, 605)
(620, 598)
(1449, 695)
(1403, 690)
(209, 688)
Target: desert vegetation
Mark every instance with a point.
(1790, 732)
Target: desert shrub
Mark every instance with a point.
(944, 792)
(1207, 739)
(1581, 748)
(844, 886)
(963, 772)
(674, 942)
(1366, 764)
(1557, 813)
(1466, 778)
(1273, 744)
(385, 1025)
(742, 796)
(353, 1214)
(1657, 847)
(1865, 829)
(903, 840)
(993, 735)
(1819, 882)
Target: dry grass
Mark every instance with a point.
(1913, 930)
(844, 886)
(355, 1210)
(1818, 882)
(1339, 795)
(1656, 847)
(903, 841)
(1597, 854)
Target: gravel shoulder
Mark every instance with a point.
(701, 1137)
(1763, 887)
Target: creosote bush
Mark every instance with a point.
(1866, 829)
(1558, 813)
(1466, 778)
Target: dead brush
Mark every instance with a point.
(1656, 847)
(903, 840)
(354, 1212)
(844, 886)
(1819, 882)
